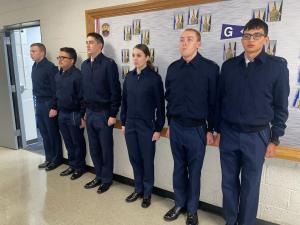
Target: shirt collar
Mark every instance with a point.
(247, 60)
(145, 70)
(68, 71)
(142, 69)
(194, 62)
(99, 57)
(42, 62)
(261, 57)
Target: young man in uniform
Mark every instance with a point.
(252, 112)
(43, 88)
(191, 85)
(102, 96)
(69, 102)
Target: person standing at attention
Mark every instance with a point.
(102, 97)
(191, 85)
(143, 117)
(43, 88)
(252, 113)
(69, 102)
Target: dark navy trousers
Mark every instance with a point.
(188, 149)
(73, 136)
(50, 132)
(141, 151)
(242, 157)
(101, 144)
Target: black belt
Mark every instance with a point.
(187, 122)
(98, 107)
(246, 128)
(69, 110)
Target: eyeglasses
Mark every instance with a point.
(256, 36)
(62, 57)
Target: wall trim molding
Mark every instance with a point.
(282, 152)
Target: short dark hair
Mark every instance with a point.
(40, 46)
(97, 36)
(71, 52)
(256, 23)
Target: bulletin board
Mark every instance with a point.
(160, 23)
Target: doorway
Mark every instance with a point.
(20, 38)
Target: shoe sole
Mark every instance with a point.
(91, 187)
(170, 220)
(129, 201)
(64, 175)
(194, 224)
(101, 192)
(174, 218)
(75, 177)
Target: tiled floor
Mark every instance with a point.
(29, 196)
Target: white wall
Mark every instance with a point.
(63, 24)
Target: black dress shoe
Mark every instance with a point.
(52, 166)
(104, 187)
(92, 184)
(133, 196)
(146, 202)
(44, 165)
(192, 219)
(173, 213)
(67, 172)
(76, 175)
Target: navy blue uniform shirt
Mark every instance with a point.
(191, 91)
(43, 80)
(101, 85)
(143, 97)
(252, 97)
(69, 90)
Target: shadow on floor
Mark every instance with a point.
(37, 146)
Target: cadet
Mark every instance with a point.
(253, 109)
(191, 85)
(71, 111)
(102, 96)
(43, 88)
(143, 117)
